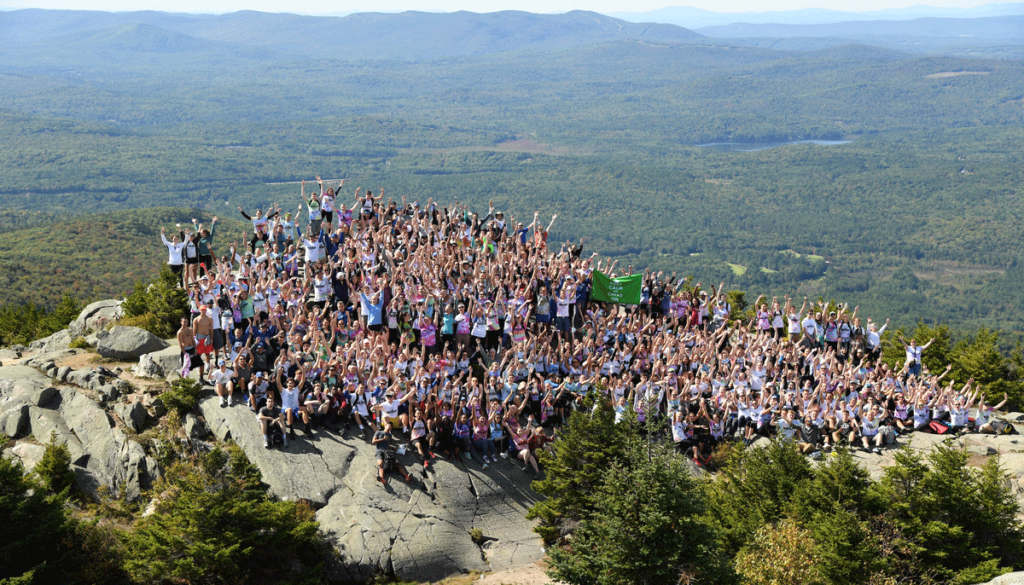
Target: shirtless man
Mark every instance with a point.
(202, 329)
(187, 345)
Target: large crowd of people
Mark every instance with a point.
(468, 336)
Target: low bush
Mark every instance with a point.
(183, 396)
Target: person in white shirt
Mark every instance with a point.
(223, 384)
(810, 327)
(174, 249)
(873, 340)
(313, 247)
(291, 407)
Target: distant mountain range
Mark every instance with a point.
(32, 36)
(406, 35)
(695, 18)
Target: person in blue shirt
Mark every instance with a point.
(374, 306)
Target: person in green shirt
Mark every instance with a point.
(205, 244)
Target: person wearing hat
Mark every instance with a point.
(223, 383)
(257, 387)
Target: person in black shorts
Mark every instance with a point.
(271, 414)
(386, 460)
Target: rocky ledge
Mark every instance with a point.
(418, 530)
(105, 460)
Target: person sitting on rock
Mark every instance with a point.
(386, 460)
(521, 449)
(271, 415)
(290, 399)
(223, 384)
(389, 409)
(422, 436)
(258, 391)
(983, 423)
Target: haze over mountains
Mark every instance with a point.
(406, 35)
(696, 18)
(993, 31)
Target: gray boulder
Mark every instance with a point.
(128, 343)
(111, 459)
(43, 357)
(24, 385)
(1008, 579)
(94, 339)
(13, 419)
(9, 354)
(194, 428)
(101, 454)
(29, 454)
(147, 367)
(62, 373)
(96, 315)
(133, 415)
(167, 360)
(159, 409)
(58, 341)
(108, 393)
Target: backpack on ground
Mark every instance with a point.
(888, 434)
(390, 461)
(939, 428)
(275, 436)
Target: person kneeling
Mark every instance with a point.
(386, 459)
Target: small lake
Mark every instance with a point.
(756, 146)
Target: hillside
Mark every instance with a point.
(93, 256)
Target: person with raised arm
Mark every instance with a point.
(260, 227)
(983, 422)
(174, 260)
(205, 244)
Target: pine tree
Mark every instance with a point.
(215, 523)
(648, 528)
(587, 446)
(54, 468)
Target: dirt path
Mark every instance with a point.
(531, 575)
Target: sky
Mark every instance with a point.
(542, 6)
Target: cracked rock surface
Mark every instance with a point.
(102, 456)
(418, 530)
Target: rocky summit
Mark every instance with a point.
(419, 530)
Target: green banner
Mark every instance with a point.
(624, 289)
